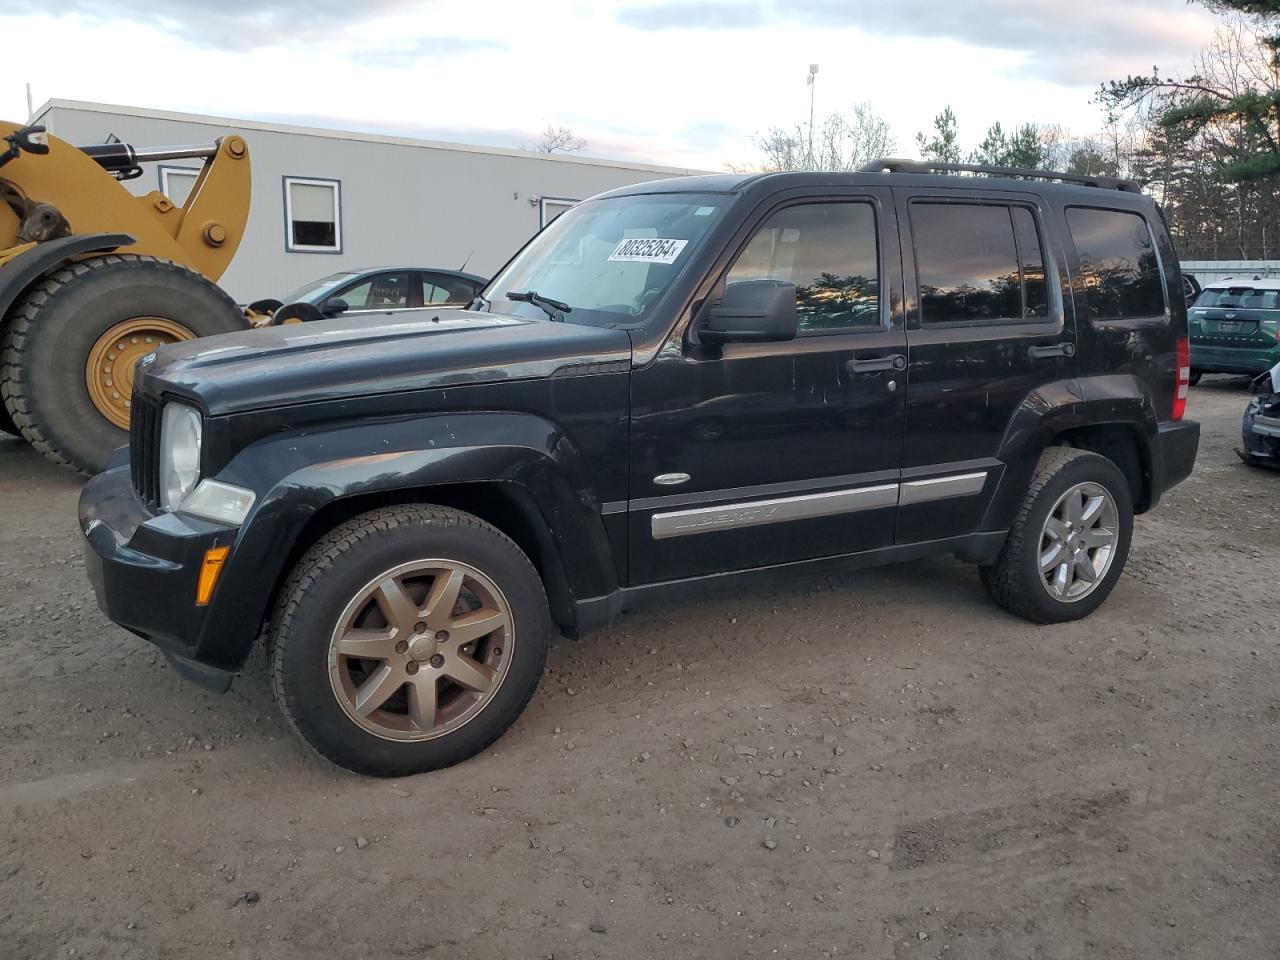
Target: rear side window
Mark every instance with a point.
(1118, 264)
(978, 263)
(439, 289)
(828, 250)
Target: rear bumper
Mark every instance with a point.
(144, 567)
(1179, 442)
(1254, 359)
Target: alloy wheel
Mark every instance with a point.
(1078, 542)
(421, 649)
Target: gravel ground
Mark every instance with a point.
(878, 764)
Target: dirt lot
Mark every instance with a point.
(876, 765)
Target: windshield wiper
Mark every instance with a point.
(554, 309)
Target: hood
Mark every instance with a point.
(368, 355)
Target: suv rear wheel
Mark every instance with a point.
(408, 639)
(1069, 543)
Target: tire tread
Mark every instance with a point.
(23, 327)
(1001, 577)
(326, 553)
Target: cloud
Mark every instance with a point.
(1064, 44)
(694, 15)
(233, 24)
(420, 48)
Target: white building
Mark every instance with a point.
(328, 200)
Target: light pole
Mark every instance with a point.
(812, 81)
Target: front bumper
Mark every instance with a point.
(144, 568)
(1252, 359)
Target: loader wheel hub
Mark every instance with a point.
(109, 371)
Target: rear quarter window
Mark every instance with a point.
(1118, 264)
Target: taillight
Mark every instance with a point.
(1183, 382)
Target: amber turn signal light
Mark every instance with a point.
(209, 571)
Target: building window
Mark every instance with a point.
(176, 183)
(313, 215)
(552, 207)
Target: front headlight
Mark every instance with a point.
(180, 429)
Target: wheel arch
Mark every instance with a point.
(1111, 415)
(1123, 443)
(507, 506)
(516, 472)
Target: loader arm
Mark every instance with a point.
(203, 235)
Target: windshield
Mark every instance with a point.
(318, 288)
(610, 261)
(1243, 298)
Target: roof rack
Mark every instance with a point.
(889, 165)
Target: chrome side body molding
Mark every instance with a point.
(753, 513)
(941, 488)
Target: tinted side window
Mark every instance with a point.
(966, 262)
(828, 250)
(1118, 263)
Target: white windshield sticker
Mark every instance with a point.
(648, 250)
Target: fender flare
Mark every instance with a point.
(534, 463)
(1054, 409)
(24, 271)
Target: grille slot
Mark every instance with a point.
(144, 441)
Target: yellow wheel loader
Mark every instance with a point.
(93, 278)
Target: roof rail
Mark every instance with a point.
(889, 165)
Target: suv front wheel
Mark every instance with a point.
(1068, 545)
(407, 639)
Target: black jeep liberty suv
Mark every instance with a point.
(677, 380)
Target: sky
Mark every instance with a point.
(687, 83)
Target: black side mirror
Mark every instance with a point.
(334, 306)
(752, 311)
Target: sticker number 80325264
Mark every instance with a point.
(648, 250)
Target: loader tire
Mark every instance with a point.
(6, 422)
(68, 352)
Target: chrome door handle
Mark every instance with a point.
(894, 362)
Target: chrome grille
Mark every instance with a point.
(144, 442)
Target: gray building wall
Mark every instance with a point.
(403, 202)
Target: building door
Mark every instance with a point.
(765, 453)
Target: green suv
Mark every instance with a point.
(1235, 327)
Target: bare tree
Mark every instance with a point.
(842, 142)
(559, 139)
